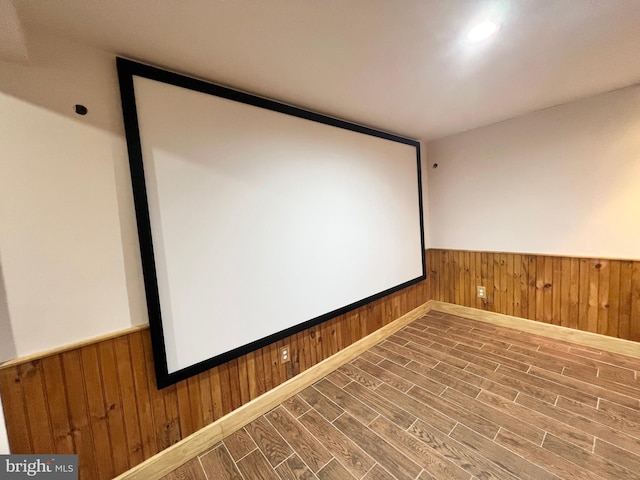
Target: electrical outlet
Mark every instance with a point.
(482, 292)
(284, 354)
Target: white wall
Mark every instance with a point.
(4, 441)
(565, 180)
(68, 244)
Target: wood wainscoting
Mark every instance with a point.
(589, 294)
(100, 400)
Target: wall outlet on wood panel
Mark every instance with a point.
(284, 354)
(482, 292)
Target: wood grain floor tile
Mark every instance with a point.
(619, 375)
(418, 451)
(413, 377)
(579, 422)
(218, 465)
(389, 355)
(483, 337)
(256, 467)
(413, 355)
(239, 444)
(528, 357)
(440, 323)
(591, 387)
(395, 340)
(417, 408)
(477, 380)
(269, 441)
(613, 408)
(550, 386)
(426, 476)
(518, 339)
(339, 379)
(613, 420)
(424, 322)
(436, 354)
(399, 339)
(558, 465)
(378, 473)
(296, 406)
(514, 383)
(385, 454)
(444, 379)
(522, 424)
(459, 337)
(397, 382)
(500, 456)
(341, 446)
(303, 443)
(334, 471)
(443, 324)
(293, 468)
(629, 460)
(597, 464)
(360, 376)
(192, 470)
(322, 404)
(629, 388)
(346, 401)
(490, 360)
(461, 354)
(430, 337)
(454, 451)
(540, 421)
(371, 357)
(454, 321)
(431, 325)
(607, 357)
(469, 418)
(483, 326)
(622, 393)
(590, 364)
(381, 405)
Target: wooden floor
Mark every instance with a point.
(448, 398)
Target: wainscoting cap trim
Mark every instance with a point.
(72, 346)
(604, 258)
(587, 339)
(172, 457)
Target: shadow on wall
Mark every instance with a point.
(57, 75)
(7, 342)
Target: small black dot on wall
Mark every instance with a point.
(435, 165)
(80, 109)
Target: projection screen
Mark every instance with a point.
(257, 219)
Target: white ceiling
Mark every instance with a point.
(398, 65)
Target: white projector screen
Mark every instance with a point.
(257, 219)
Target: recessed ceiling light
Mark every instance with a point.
(482, 31)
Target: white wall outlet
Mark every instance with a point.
(284, 354)
(482, 292)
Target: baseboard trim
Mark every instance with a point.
(171, 458)
(587, 339)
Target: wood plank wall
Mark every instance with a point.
(594, 295)
(101, 401)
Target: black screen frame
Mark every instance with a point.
(127, 70)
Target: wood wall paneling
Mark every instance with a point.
(594, 295)
(100, 399)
